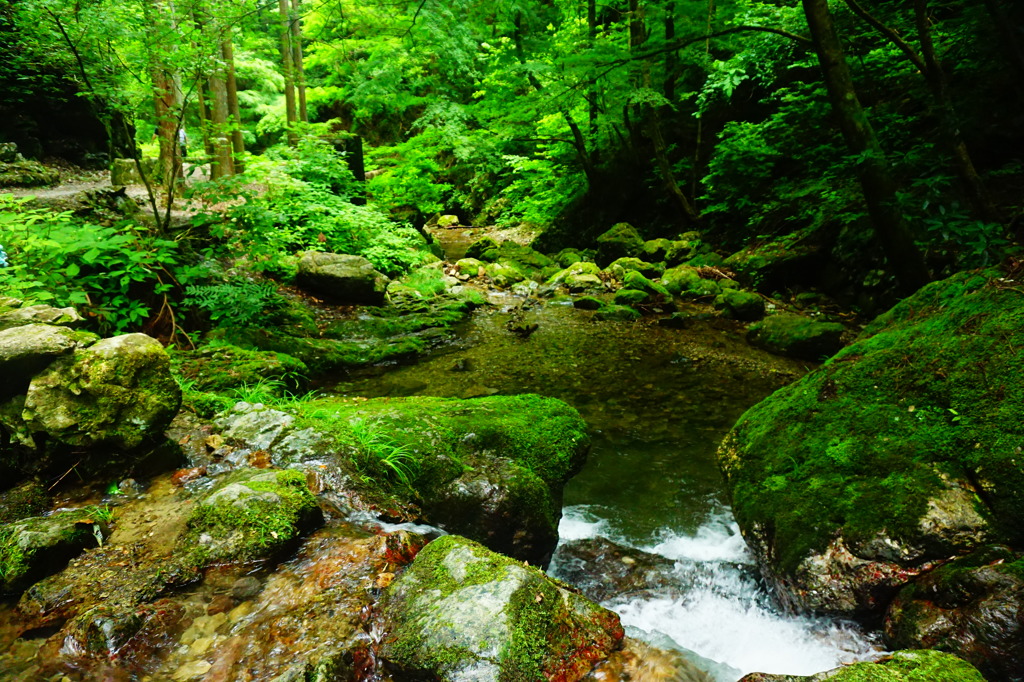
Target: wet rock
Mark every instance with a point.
(797, 336)
(584, 283)
(973, 606)
(686, 281)
(894, 457)
(27, 350)
(245, 588)
(41, 314)
(901, 666)
(462, 612)
(251, 514)
(604, 570)
(503, 275)
(621, 241)
(344, 278)
(485, 249)
(28, 498)
(33, 547)
(567, 257)
(635, 280)
(257, 426)
(740, 305)
(101, 631)
(576, 269)
(117, 392)
(655, 251)
(126, 172)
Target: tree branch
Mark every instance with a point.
(889, 33)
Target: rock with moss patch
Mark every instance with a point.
(575, 270)
(34, 547)
(462, 612)
(251, 514)
(587, 303)
(901, 666)
(503, 275)
(491, 468)
(469, 267)
(28, 498)
(26, 174)
(623, 265)
(973, 606)
(797, 336)
(781, 262)
(681, 279)
(899, 452)
(621, 241)
(342, 277)
(603, 570)
(630, 297)
(567, 257)
(740, 305)
(635, 280)
(118, 392)
(620, 313)
(29, 349)
(485, 249)
(655, 250)
(41, 314)
(680, 251)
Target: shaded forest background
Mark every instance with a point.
(876, 144)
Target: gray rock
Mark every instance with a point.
(32, 547)
(461, 612)
(27, 350)
(41, 314)
(343, 278)
(118, 392)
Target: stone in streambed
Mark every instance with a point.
(343, 278)
(797, 336)
(461, 612)
(26, 350)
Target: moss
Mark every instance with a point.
(484, 245)
(629, 297)
(469, 266)
(797, 336)
(588, 303)
(26, 499)
(621, 240)
(623, 265)
(858, 446)
(544, 435)
(240, 528)
(576, 269)
(32, 547)
(635, 280)
(740, 305)
(223, 367)
(911, 666)
(620, 313)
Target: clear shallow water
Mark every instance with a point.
(658, 402)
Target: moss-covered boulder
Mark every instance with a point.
(899, 452)
(680, 250)
(575, 270)
(620, 267)
(655, 250)
(341, 277)
(781, 262)
(469, 267)
(973, 606)
(41, 314)
(587, 303)
(901, 666)
(635, 280)
(503, 275)
(686, 281)
(461, 612)
(615, 312)
(484, 248)
(29, 349)
(28, 498)
(740, 305)
(491, 468)
(630, 297)
(621, 241)
(250, 514)
(567, 257)
(26, 174)
(34, 547)
(118, 392)
(797, 336)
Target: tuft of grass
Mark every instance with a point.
(378, 456)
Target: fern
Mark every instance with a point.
(235, 302)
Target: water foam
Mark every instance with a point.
(723, 614)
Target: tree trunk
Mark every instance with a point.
(671, 58)
(222, 162)
(288, 70)
(969, 178)
(1004, 27)
(300, 72)
(592, 112)
(876, 180)
(234, 116)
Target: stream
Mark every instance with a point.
(658, 401)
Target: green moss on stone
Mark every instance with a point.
(635, 280)
(629, 297)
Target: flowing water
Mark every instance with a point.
(658, 401)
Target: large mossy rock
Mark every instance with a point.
(251, 514)
(117, 392)
(901, 666)
(26, 174)
(797, 336)
(621, 241)
(460, 612)
(225, 367)
(901, 451)
(342, 278)
(41, 314)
